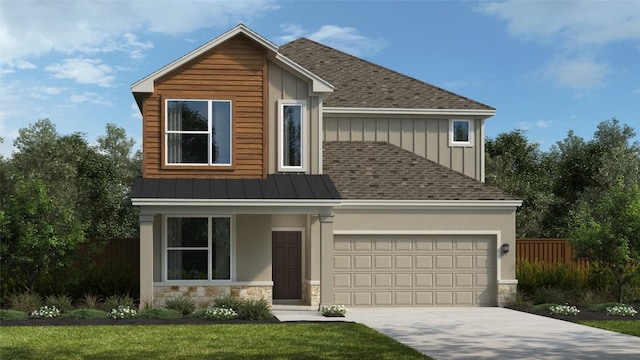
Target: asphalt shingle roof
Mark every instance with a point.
(381, 171)
(362, 84)
(299, 186)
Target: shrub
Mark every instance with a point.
(563, 310)
(85, 314)
(159, 313)
(26, 302)
(228, 301)
(604, 306)
(254, 309)
(333, 310)
(184, 305)
(550, 295)
(91, 301)
(122, 312)
(46, 312)
(532, 276)
(216, 313)
(621, 310)
(115, 301)
(62, 302)
(12, 315)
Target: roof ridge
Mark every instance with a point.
(384, 68)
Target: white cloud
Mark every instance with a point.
(45, 92)
(347, 39)
(89, 97)
(544, 124)
(636, 91)
(524, 125)
(573, 22)
(135, 112)
(30, 29)
(577, 73)
(83, 71)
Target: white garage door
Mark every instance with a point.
(387, 270)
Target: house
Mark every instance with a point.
(304, 174)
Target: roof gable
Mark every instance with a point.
(362, 84)
(366, 170)
(146, 84)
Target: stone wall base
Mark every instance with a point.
(205, 294)
(311, 294)
(507, 293)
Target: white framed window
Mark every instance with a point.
(197, 248)
(460, 132)
(292, 135)
(198, 132)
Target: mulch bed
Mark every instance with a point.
(135, 321)
(585, 314)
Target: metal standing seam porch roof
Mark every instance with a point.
(274, 187)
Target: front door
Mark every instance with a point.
(287, 264)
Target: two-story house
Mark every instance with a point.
(304, 174)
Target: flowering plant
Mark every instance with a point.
(333, 310)
(621, 310)
(122, 312)
(563, 310)
(46, 312)
(220, 313)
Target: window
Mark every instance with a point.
(460, 133)
(292, 135)
(198, 248)
(198, 132)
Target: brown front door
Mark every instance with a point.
(287, 264)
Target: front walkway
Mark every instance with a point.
(482, 333)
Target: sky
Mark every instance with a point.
(547, 67)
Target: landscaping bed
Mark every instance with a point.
(586, 314)
(135, 321)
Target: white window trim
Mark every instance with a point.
(453, 143)
(232, 247)
(304, 140)
(208, 132)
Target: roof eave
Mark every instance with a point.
(479, 113)
(429, 204)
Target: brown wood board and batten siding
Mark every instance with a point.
(236, 71)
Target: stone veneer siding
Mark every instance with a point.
(310, 294)
(205, 294)
(507, 294)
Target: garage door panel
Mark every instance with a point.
(362, 262)
(415, 270)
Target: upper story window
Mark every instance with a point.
(198, 132)
(460, 133)
(292, 137)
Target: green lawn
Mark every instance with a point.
(271, 341)
(625, 327)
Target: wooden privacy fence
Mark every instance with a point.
(117, 251)
(550, 251)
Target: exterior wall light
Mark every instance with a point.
(505, 248)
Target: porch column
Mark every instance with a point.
(146, 259)
(326, 259)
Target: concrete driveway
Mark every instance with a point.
(494, 333)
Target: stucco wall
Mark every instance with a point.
(253, 248)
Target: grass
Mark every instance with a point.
(273, 341)
(624, 327)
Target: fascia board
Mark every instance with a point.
(236, 202)
(428, 204)
(145, 85)
(404, 111)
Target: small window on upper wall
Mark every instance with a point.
(292, 139)
(460, 133)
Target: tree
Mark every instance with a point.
(518, 167)
(606, 231)
(39, 234)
